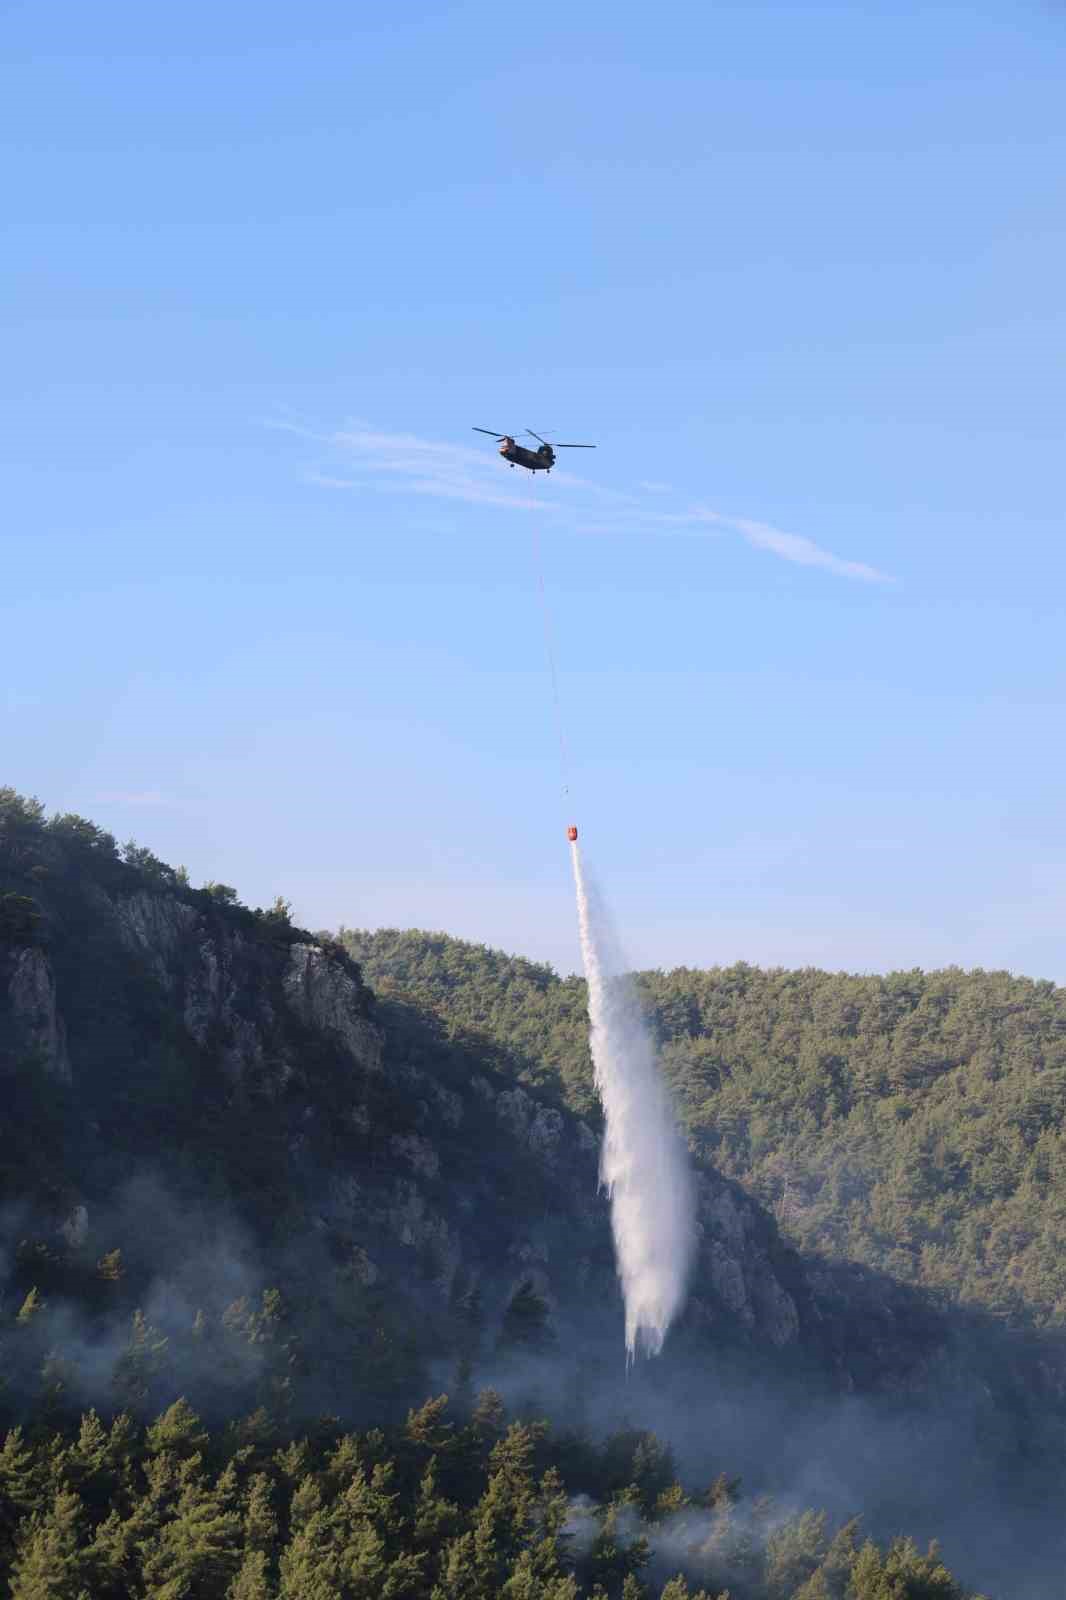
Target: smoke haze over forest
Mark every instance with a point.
(282, 1176)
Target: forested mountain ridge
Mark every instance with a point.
(241, 1169)
(201, 1103)
(914, 1122)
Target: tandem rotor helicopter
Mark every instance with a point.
(520, 455)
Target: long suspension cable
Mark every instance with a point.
(549, 650)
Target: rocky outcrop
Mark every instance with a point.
(216, 973)
(238, 988)
(734, 1262)
(324, 995)
(37, 1023)
(75, 1227)
(412, 1155)
(155, 926)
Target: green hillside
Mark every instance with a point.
(295, 1185)
(912, 1122)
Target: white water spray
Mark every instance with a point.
(644, 1165)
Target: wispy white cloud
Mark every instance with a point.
(793, 547)
(439, 469)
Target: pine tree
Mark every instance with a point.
(309, 1566)
(197, 1550)
(460, 1575)
(252, 1581)
(178, 1430)
(869, 1580)
(794, 1552)
(21, 1486)
(59, 1378)
(140, 1363)
(429, 1426)
(613, 1557)
(260, 1523)
(489, 1415)
(31, 1309)
(525, 1583)
(504, 1513)
(678, 1589)
(435, 1518)
(816, 1588)
(50, 1559)
(294, 1461)
(97, 1465)
(923, 1577)
(110, 1268)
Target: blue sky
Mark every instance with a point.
(271, 607)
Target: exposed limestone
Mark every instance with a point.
(413, 1224)
(75, 1229)
(323, 995)
(203, 992)
(727, 1281)
(155, 926)
(39, 1026)
(243, 1055)
(732, 1257)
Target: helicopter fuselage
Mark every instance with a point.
(541, 460)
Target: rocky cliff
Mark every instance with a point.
(163, 1041)
(249, 1004)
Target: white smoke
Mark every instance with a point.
(644, 1165)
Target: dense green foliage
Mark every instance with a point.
(190, 1170)
(441, 1508)
(914, 1122)
(285, 1203)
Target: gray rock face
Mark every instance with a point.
(211, 971)
(539, 1128)
(323, 995)
(155, 926)
(39, 1026)
(75, 1228)
(420, 1194)
(205, 997)
(734, 1263)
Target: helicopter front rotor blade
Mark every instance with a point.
(491, 434)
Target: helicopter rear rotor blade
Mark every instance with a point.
(533, 435)
(573, 447)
